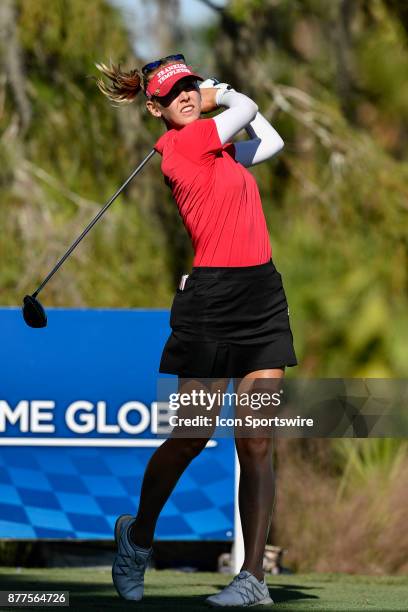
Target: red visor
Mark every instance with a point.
(163, 81)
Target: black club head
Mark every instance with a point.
(33, 313)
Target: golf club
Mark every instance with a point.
(33, 312)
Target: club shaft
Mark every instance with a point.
(92, 223)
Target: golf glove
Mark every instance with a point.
(223, 87)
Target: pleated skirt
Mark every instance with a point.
(227, 322)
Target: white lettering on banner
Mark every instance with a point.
(101, 425)
(160, 418)
(87, 420)
(12, 416)
(82, 417)
(38, 416)
(144, 417)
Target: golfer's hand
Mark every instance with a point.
(208, 91)
(208, 99)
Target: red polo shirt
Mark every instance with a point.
(217, 198)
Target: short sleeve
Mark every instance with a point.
(161, 143)
(199, 141)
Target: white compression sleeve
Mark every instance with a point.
(264, 142)
(241, 111)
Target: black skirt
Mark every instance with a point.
(227, 322)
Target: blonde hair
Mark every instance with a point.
(125, 86)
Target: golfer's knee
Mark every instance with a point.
(192, 447)
(249, 449)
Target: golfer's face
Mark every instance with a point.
(182, 105)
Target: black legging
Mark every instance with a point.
(256, 488)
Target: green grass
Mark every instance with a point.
(91, 589)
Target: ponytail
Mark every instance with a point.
(124, 86)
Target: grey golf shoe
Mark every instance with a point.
(129, 564)
(244, 591)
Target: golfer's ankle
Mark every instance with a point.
(259, 574)
(139, 538)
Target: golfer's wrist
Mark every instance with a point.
(220, 95)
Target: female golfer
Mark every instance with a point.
(229, 317)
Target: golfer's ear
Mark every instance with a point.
(151, 107)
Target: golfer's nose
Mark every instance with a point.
(184, 95)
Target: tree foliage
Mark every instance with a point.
(335, 198)
(74, 155)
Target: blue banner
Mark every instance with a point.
(79, 420)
